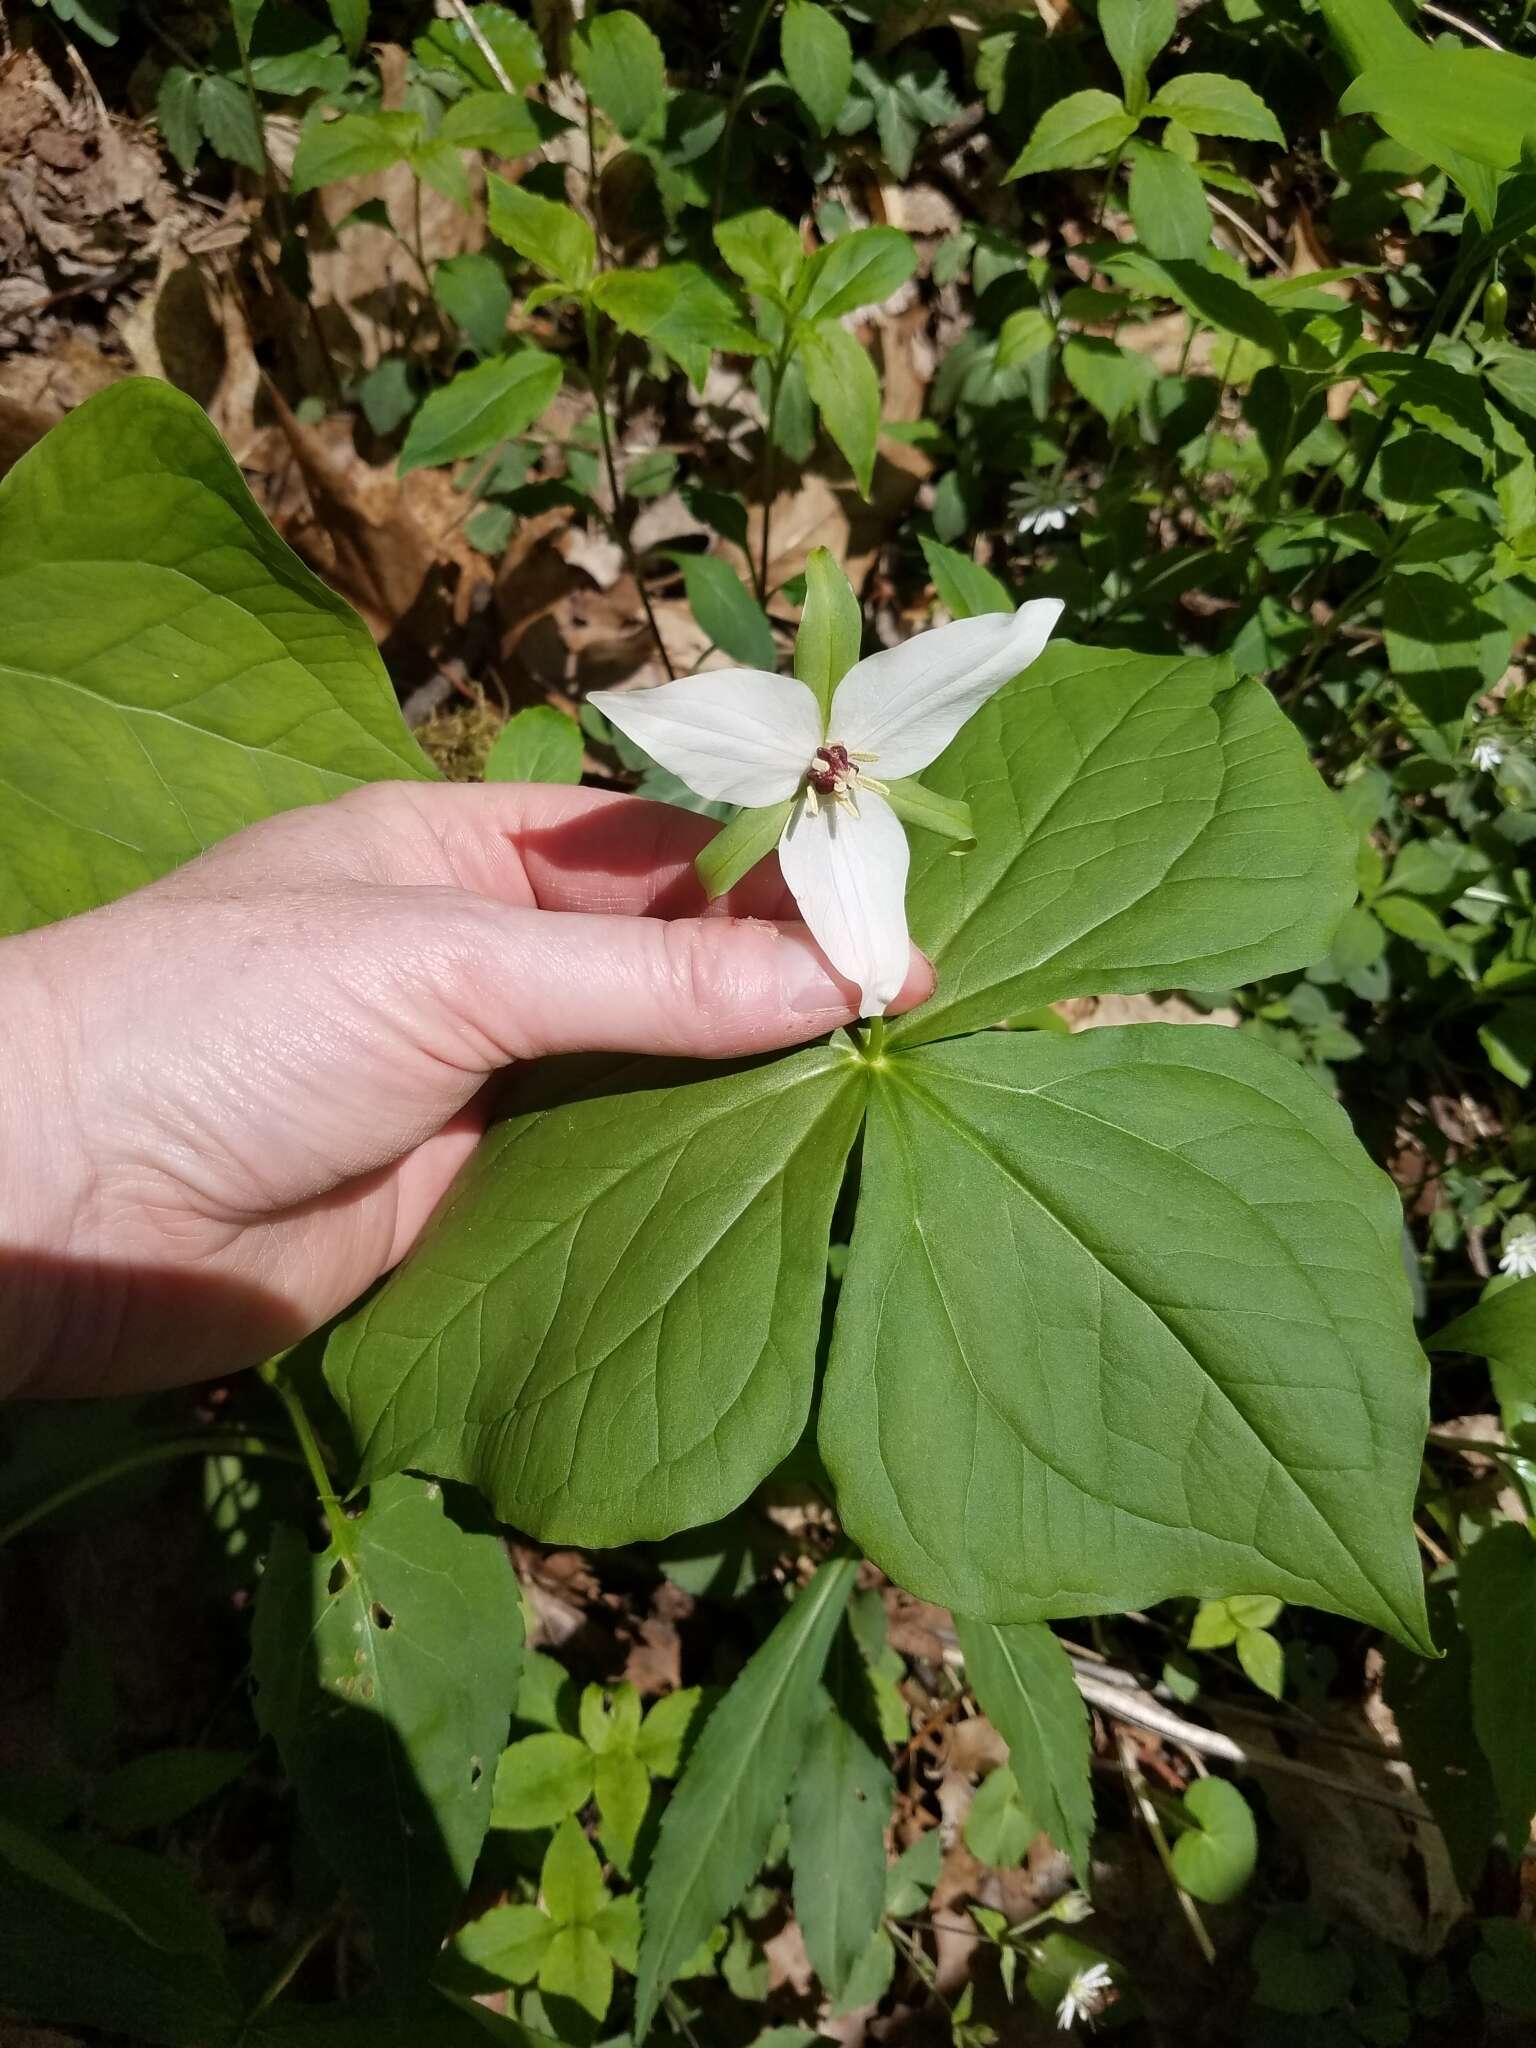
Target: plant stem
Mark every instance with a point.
(291, 1968)
(874, 1040)
(722, 166)
(598, 371)
(765, 470)
(314, 1457)
(208, 1443)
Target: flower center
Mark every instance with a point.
(833, 773)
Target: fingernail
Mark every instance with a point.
(811, 989)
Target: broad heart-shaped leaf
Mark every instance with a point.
(386, 1668)
(1124, 1317)
(1142, 821)
(611, 1327)
(1022, 1678)
(169, 670)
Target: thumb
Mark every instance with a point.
(698, 988)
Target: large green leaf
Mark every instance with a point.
(715, 1832)
(1081, 129)
(1498, 1612)
(818, 58)
(1143, 821)
(838, 1815)
(619, 61)
(1467, 103)
(480, 407)
(679, 308)
(842, 382)
(169, 670)
(611, 1327)
(386, 1668)
(1022, 1678)
(1154, 1290)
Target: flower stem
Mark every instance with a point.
(874, 1041)
(598, 371)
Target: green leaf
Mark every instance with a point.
(737, 847)
(665, 1731)
(619, 61)
(500, 122)
(476, 297)
(1217, 1384)
(997, 1830)
(860, 269)
(230, 122)
(480, 407)
(546, 1341)
(1208, 104)
(1022, 1678)
(1135, 31)
(1504, 1970)
(540, 744)
(764, 251)
(915, 804)
(1466, 103)
(727, 611)
(457, 47)
(715, 1831)
(1168, 204)
(181, 127)
(623, 1794)
(577, 1967)
(679, 308)
(1431, 1701)
(350, 147)
(508, 1942)
(912, 1878)
(1367, 31)
(572, 1878)
(242, 14)
(1207, 296)
(46, 1862)
(1214, 1860)
(838, 1815)
(846, 392)
(1497, 1609)
(541, 1781)
(966, 590)
(818, 58)
(553, 238)
(154, 1790)
(1443, 646)
(385, 1717)
(351, 19)
(1024, 335)
(161, 638)
(831, 627)
(1262, 1658)
(1112, 379)
(1083, 128)
(1174, 835)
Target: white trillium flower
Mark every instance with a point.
(1084, 1999)
(1518, 1258)
(743, 736)
(1486, 756)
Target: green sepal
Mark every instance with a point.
(831, 628)
(738, 847)
(946, 815)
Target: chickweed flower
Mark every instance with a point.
(1486, 756)
(743, 736)
(1086, 1996)
(1036, 512)
(1518, 1257)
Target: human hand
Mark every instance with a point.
(231, 1100)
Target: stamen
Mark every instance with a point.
(869, 782)
(812, 801)
(862, 757)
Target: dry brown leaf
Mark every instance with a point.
(1091, 1013)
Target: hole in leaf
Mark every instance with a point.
(340, 1574)
(476, 1771)
(382, 1618)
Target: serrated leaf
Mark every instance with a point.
(229, 120)
(1022, 1678)
(1024, 335)
(858, 269)
(385, 1722)
(1217, 1383)
(143, 594)
(540, 744)
(680, 308)
(619, 61)
(1142, 822)
(966, 590)
(764, 250)
(350, 147)
(727, 611)
(545, 1340)
(500, 122)
(837, 1819)
(476, 297)
(846, 392)
(1135, 31)
(460, 46)
(715, 1831)
(1208, 104)
(1083, 128)
(480, 407)
(818, 60)
(553, 238)
(1168, 205)
(180, 124)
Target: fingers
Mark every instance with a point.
(698, 988)
(547, 847)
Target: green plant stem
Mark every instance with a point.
(598, 370)
(1141, 1794)
(314, 1457)
(208, 1443)
(765, 468)
(291, 1968)
(723, 164)
(874, 1040)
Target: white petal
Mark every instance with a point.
(906, 703)
(735, 735)
(849, 877)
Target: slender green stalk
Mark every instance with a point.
(722, 166)
(765, 468)
(291, 1968)
(598, 371)
(874, 1041)
(207, 1443)
(314, 1457)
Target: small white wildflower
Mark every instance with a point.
(1049, 519)
(1084, 1998)
(1518, 1258)
(1072, 1907)
(1486, 756)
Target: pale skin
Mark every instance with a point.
(233, 1099)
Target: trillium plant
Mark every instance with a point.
(800, 751)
